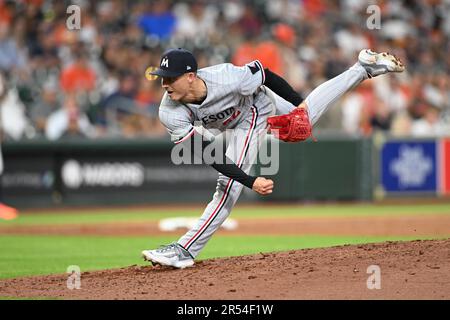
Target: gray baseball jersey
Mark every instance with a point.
(236, 99)
(230, 95)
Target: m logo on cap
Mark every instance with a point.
(165, 63)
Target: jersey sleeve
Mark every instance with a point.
(282, 106)
(178, 121)
(251, 77)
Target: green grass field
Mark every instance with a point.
(23, 255)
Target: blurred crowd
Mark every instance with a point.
(90, 82)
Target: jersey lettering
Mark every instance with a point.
(218, 116)
(232, 117)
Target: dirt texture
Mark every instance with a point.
(423, 225)
(408, 270)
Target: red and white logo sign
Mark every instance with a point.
(445, 166)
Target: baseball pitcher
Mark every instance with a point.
(240, 100)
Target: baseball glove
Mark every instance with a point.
(292, 127)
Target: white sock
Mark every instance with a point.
(330, 91)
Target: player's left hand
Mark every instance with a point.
(292, 127)
(263, 186)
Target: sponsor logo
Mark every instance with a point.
(412, 166)
(26, 179)
(105, 174)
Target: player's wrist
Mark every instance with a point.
(251, 182)
(302, 106)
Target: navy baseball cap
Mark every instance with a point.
(175, 62)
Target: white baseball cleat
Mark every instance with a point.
(169, 255)
(379, 63)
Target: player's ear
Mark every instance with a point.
(191, 76)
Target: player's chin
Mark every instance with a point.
(174, 96)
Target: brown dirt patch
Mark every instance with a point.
(426, 225)
(409, 270)
(197, 206)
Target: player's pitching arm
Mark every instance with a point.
(260, 185)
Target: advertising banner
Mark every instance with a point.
(445, 167)
(134, 178)
(24, 177)
(409, 167)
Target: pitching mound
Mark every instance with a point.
(408, 270)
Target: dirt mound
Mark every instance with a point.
(408, 270)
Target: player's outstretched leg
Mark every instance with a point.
(370, 64)
(379, 63)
